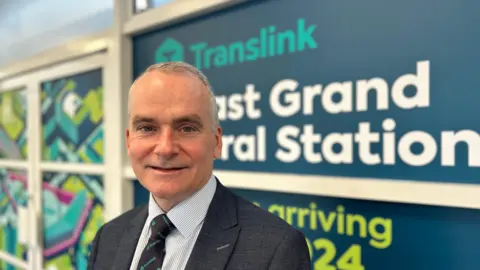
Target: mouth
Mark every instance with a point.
(166, 170)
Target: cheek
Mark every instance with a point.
(138, 149)
(199, 151)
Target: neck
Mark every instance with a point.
(167, 204)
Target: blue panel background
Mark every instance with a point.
(356, 40)
(423, 237)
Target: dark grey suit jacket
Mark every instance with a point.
(256, 239)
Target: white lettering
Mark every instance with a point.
(236, 106)
(425, 157)
(381, 89)
(297, 142)
(422, 83)
(310, 139)
(345, 103)
(309, 96)
(304, 99)
(389, 141)
(345, 156)
(364, 138)
(292, 100)
(293, 150)
(469, 138)
(251, 97)
(246, 147)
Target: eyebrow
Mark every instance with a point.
(140, 120)
(192, 118)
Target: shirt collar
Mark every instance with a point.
(189, 213)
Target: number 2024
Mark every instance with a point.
(351, 259)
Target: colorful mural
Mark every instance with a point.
(13, 193)
(13, 124)
(73, 212)
(72, 118)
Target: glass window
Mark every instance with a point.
(47, 24)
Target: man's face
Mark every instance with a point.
(170, 140)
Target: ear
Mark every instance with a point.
(218, 143)
(127, 140)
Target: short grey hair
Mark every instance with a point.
(179, 67)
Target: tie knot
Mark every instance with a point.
(161, 226)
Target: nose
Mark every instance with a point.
(166, 145)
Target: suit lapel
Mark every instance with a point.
(218, 235)
(128, 244)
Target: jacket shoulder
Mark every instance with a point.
(258, 219)
(266, 241)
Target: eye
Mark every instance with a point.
(145, 128)
(188, 129)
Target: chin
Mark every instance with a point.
(163, 191)
(163, 187)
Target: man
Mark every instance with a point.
(192, 221)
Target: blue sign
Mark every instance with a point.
(334, 88)
(345, 234)
(364, 235)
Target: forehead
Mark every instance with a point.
(158, 94)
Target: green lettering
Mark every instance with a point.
(340, 219)
(291, 210)
(324, 262)
(325, 223)
(263, 42)
(362, 224)
(208, 55)
(309, 245)
(302, 213)
(271, 41)
(280, 209)
(253, 52)
(381, 238)
(220, 56)
(236, 52)
(197, 49)
(289, 37)
(305, 35)
(313, 216)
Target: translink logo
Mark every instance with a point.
(268, 43)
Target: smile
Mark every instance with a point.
(165, 170)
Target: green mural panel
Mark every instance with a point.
(73, 206)
(13, 124)
(72, 118)
(13, 194)
(6, 266)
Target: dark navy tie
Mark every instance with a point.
(154, 253)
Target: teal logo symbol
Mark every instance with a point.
(169, 51)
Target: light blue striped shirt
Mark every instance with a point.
(188, 217)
